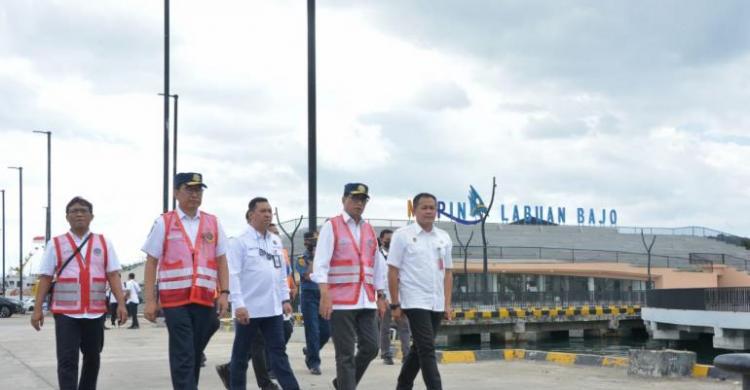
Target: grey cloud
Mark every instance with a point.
(556, 128)
(441, 96)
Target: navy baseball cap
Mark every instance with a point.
(189, 179)
(356, 189)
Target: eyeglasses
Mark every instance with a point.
(275, 258)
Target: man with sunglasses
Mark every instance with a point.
(260, 296)
(188, 247)
(350, 272)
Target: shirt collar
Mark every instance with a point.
(256, 234)
(348, 218)
(76, 238)
(418, 229)
(182, 214)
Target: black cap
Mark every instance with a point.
(188, 178)
(356, 189)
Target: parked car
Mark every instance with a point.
(9, 307)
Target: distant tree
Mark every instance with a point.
(649, 283)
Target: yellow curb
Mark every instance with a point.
(700, 370)
(561, 357)
(614, 361)
(458, 357)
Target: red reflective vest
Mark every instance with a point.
(80, 288)
(188, 274)
(352, 264)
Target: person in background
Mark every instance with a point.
(112, 299)
(402, 326)
(131, 291)
(317, 331)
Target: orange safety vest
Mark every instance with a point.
(352, 264)
(188, 274)
(80, 288)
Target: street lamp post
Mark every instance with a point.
(165, 204)
(312, 189)
(20, 231)
(3, 192)
(48, 227)
(176, 98)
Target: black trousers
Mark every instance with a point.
(73, 335)
(189, 330)
(348, 327)
(133, 313)
(424, 327)
(113, 313)
(271, 329)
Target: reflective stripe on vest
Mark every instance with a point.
(352, 263)
(187, 273)
(80, 288)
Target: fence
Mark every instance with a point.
(468, 300)
(736, 299)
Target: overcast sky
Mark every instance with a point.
(638, 106)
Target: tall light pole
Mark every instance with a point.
(20, 231)
(174, 143)
(48, 228)
(3, 192)
(312, 190)
(165, 204)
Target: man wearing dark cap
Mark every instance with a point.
(188, 248)
(317, 332)
(350, 272)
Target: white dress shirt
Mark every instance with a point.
(49, 263)
(133, 287)
(422, 258)
(322, 263)
(154, 245)
(256, 282)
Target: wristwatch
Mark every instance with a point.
(224, 292)
(395, 306)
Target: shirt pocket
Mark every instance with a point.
(252, 259)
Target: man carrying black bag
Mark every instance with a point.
(81, 262)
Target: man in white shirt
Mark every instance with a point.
(402, 326)
(112, 299)
(350, 272)
(187, 247)
(260, 295)
(132, 289)
(79, 300)
(420, 282)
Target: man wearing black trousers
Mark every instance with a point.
(420, 283)
(131, 291)
(82, 262)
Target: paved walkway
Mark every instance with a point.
(138, 359)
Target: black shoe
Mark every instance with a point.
(203, 359)
(223, 371)
(133, 327)
(315, 371)
(335, 384)
(307, 361)
(271, 386)
(388, 361)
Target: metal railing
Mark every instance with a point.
(572, 255)
(470, 300)
(736, 299)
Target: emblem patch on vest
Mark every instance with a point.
(301, 261)
(97, 251)
(209, 237)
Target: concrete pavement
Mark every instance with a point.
(138, 359)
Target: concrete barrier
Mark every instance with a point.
(673, 363)
(663, 363)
